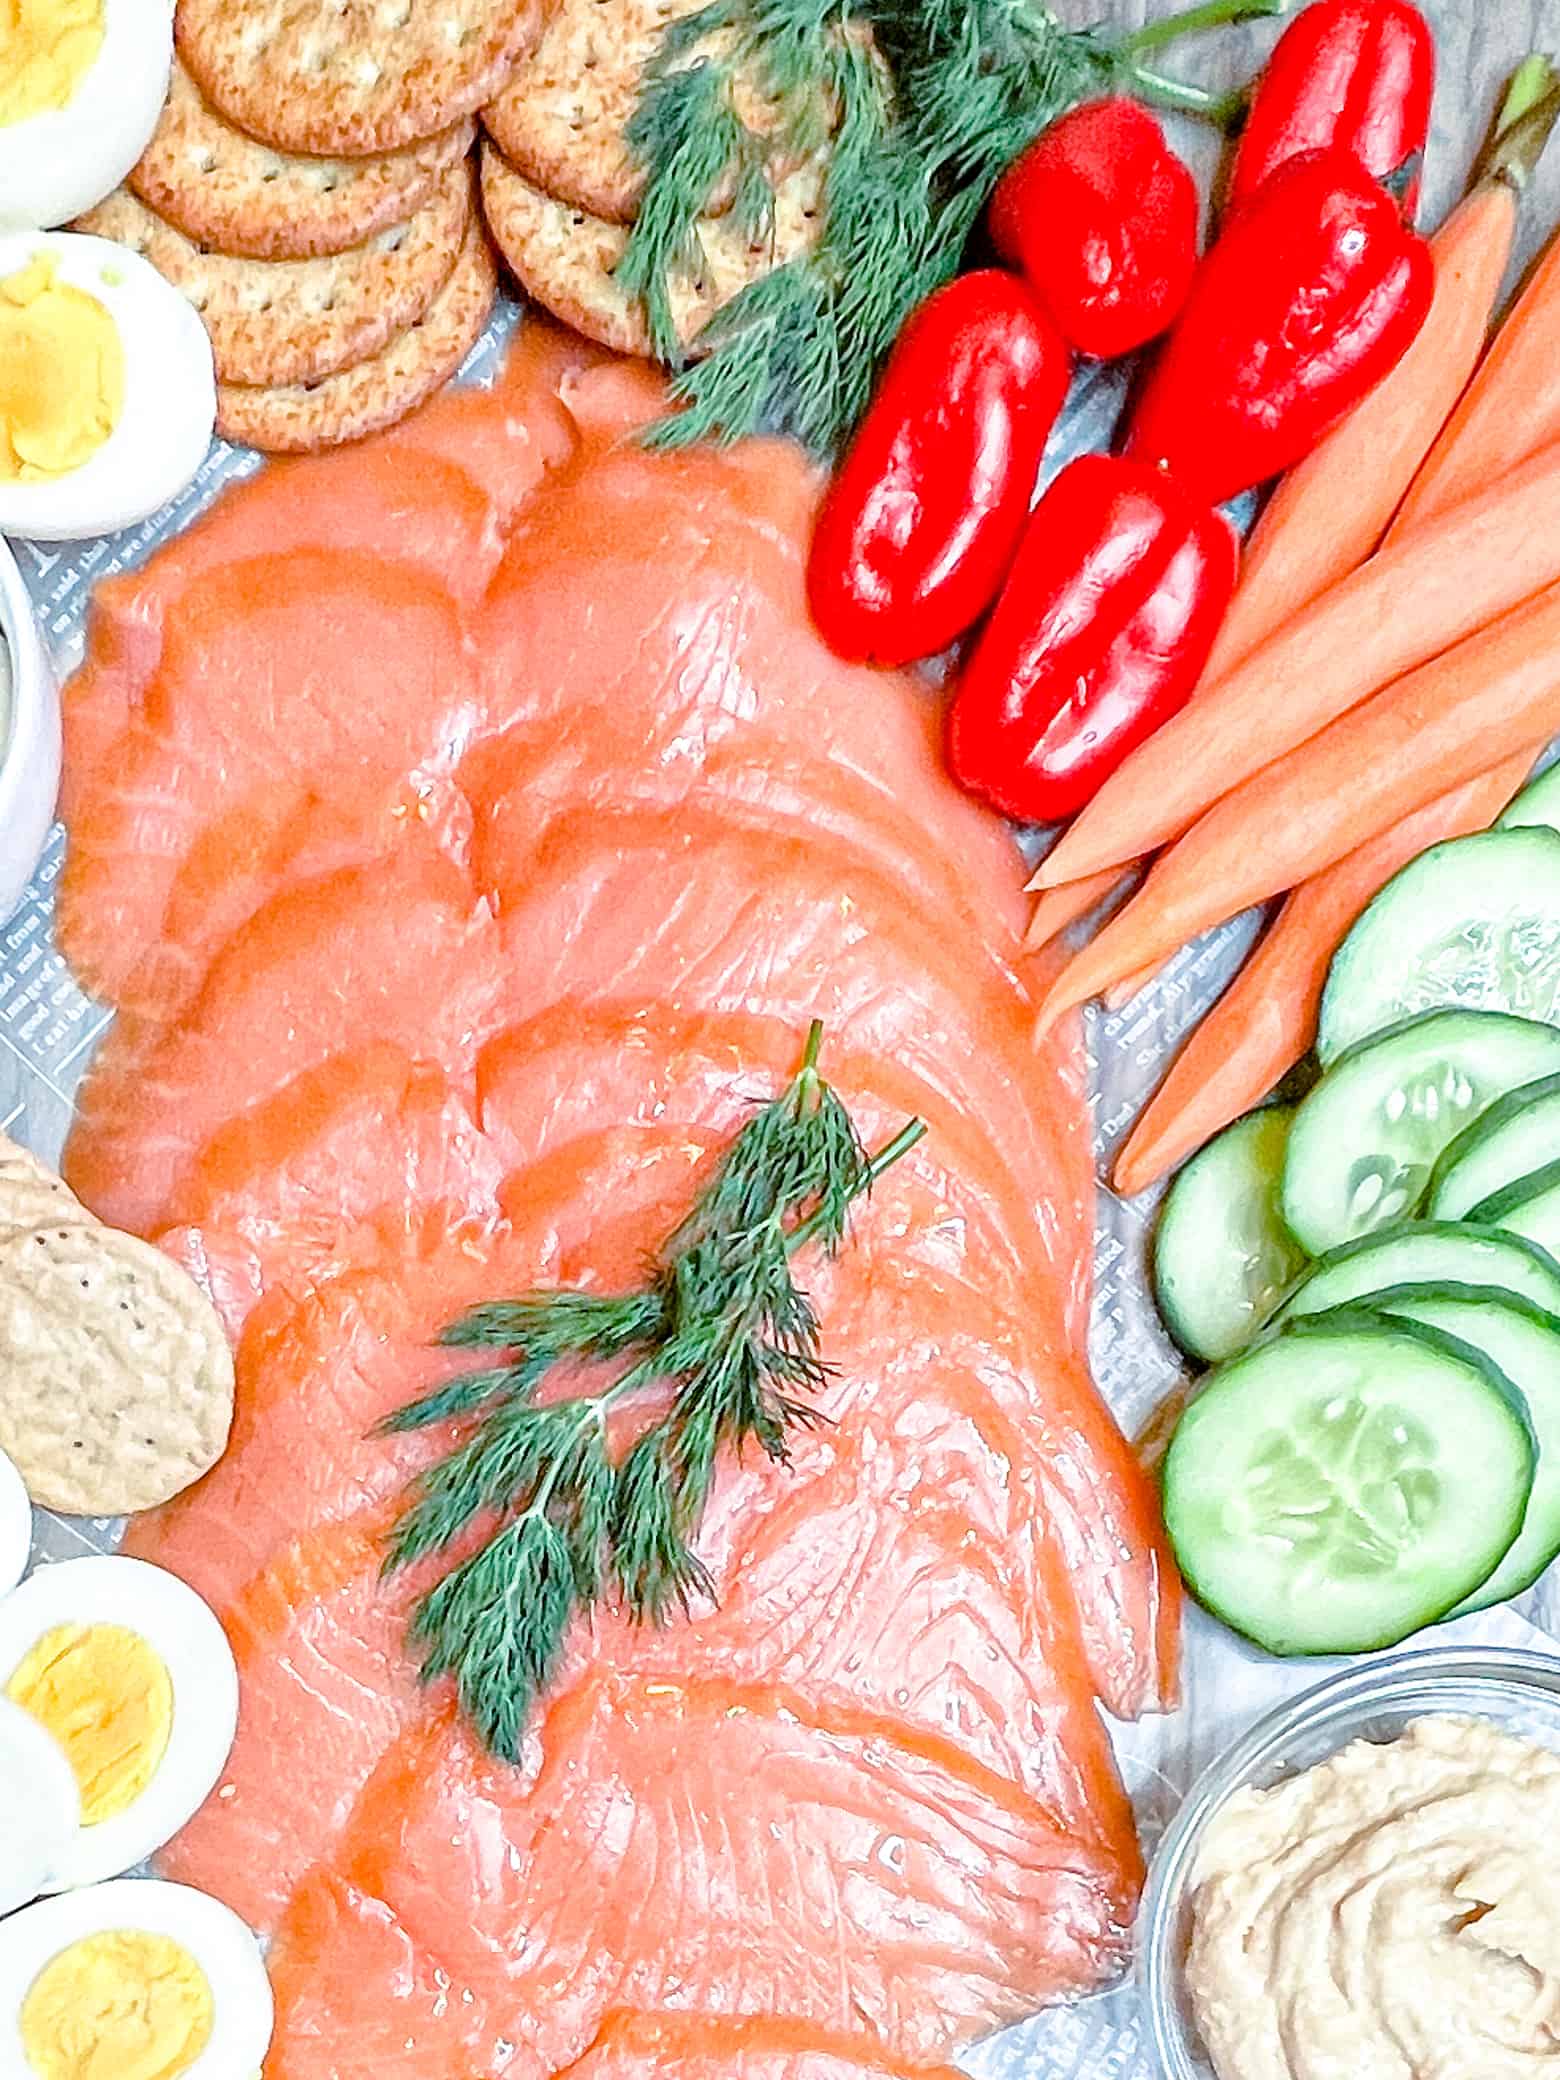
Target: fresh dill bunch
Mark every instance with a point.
(930, 101)
(720, 1324)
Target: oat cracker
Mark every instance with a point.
(228, 193)
(564, 257)
(376, 393)
(293, 321)
(351, 76)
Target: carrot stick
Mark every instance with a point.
(1497, 693)
(1266, 1020)
(1331, 511)
(1057, 908)
(1436, 587)
(1511, 407)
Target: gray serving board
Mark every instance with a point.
(48, 1028)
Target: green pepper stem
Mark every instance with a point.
(1211, 14)
(1531, 81)
(1529, 114)
(1222, 110)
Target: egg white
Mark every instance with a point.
(170, 402)
(219, 1942)
(57, 164)
(184, 1632)
(40, 1807)
(15, 1526)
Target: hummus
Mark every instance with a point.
(1393, 1914)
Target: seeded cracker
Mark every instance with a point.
(31, 1196)
(562, 119)
(292, 321)
(565, 257)
(228, 193)
(116, 1383)
(378, 392)
(351, 76)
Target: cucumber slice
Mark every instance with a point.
(1539, 802)
(1222, 1255)
(1524, 1342)
(1443, 1253)
(1346, 1482)
(1473, 924)
(1518, 1135)
(1530, 1207)
(1363, 1144)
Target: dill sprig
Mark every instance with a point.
(719, 1320)
(930, 101)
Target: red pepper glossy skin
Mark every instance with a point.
(1355, 73)
(924, 514)
(1102, 217)
(1100, 635)
(1312, 294)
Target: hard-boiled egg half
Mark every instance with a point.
(132, 1981)
(130, 1672)
(107, 393)
(15, 1507)
(40, 1807)
(82, 84)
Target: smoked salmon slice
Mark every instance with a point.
(397, 953)
(326, 689)
(703, 2047)
(440, 493)
(367, 1138)
(324, 1689)
(925, 1899)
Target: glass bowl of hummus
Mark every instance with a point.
(1368, 1883)
(29, 737)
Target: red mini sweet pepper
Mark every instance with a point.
(1359, 74)
(1100, 635)
(1102, 217)
(924, 514)
(1312, 294)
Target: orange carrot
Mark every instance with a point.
(1441, 583)
(1511, 407)
(1057, 908)
(1331, 511)
(1266, 1019)
(1497, 693)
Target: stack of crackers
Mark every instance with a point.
(310, 189)
(561, 188)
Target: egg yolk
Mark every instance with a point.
(107, 1698)
(47, 48)
(123, 2005)
(62, 372)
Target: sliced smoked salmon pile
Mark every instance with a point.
(466, 830)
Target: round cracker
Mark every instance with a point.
(351, 76)
(31, 1196)
(293, 321)
(563, 119)
(116, 1382)
(564, 258)
(377, 393)
(228, 193)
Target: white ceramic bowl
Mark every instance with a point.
(29, 739)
